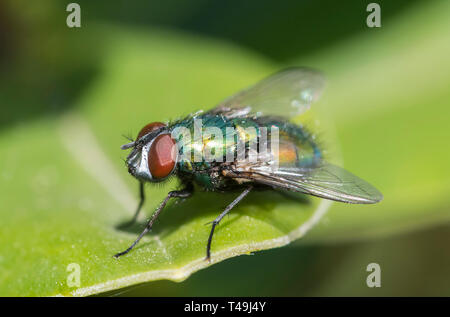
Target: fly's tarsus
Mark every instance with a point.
(185, 193)
(216, 221)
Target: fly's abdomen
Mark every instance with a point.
(296, 146)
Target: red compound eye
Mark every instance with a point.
(162, 156)
(149, 128)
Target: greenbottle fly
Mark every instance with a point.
(227, 148)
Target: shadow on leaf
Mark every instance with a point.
(206, 206)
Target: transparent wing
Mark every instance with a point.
(325, 180)
(285, 94)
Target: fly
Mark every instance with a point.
(226, 148)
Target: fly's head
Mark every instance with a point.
(154, 153)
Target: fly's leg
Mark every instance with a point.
(185, 193)
(217, 220)
(141, 203)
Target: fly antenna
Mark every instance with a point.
(128, 145)
(129, 138)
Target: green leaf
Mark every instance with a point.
(68, 191)
(65, 189)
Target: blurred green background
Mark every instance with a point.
(388, 96)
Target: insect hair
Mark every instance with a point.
(128, 136)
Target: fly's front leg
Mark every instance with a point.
(185, 193)
(141, 203)
(217, 220)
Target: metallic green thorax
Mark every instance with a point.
(205, 173)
